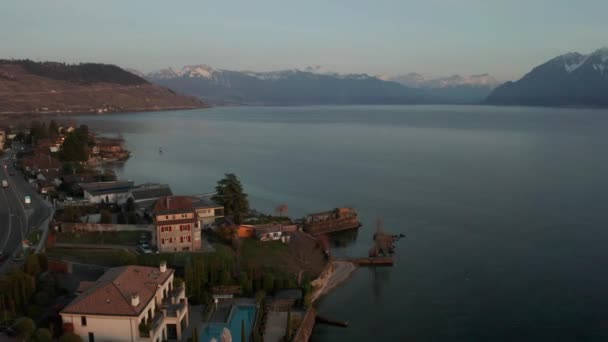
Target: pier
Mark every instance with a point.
(377, 261)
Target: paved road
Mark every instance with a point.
(17, 218)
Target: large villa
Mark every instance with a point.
(134, 303)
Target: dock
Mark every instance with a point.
(377, 261)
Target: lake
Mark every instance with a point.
(505, 209)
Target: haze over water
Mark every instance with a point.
(504, 208)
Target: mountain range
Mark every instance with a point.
(313, 85)
(572, 79)
(50, 87)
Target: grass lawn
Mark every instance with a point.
(110, 238)
(104, 257)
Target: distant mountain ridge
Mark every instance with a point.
(572, 79)
(451, 89)
(314, 85)
(284, 87)
(49, 87)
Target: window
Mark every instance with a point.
(181, 239)
(170, 240)
(91, 337)
(188, 239)
(167, 217)
(83, 320)
(162, 241)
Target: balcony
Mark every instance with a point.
(152, 327)
(175, 310)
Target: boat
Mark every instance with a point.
(335, 220)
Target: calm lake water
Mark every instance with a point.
(505, 209)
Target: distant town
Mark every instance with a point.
(116, 260)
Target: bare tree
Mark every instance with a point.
(282, 209)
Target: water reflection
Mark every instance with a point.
(344, 238)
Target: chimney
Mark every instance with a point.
(134, 299)
(163, 267)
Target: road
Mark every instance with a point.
(17, 218)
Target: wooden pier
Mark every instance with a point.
(377, 261)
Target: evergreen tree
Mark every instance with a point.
(195, 335)
(243, 335)
(32, 266)
(288, 328)
(229, 193)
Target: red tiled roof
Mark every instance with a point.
(111, 294)
(173, 204)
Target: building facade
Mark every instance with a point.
(129, 303)
(115, 192)
(176, 224)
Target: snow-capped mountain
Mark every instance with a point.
(317, 85)
(416, 80)
(570, 79)
(312, 85)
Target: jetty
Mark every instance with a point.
(373, 261)
(331, 221)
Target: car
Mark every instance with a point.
(11, 173)
(2, 257)
(144, 249)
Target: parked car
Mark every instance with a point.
(145, 249)
(2, 257)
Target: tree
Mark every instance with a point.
(121, 218)
(106, 216)
(288, 327)
(70, 337)
(32, 266)
(130, 205)
(243, 335)
(195, 335)
(43, 261)
(229, 194)
(268, 282)
(42, 335)
(24, 326)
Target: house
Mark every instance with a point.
(268, 233)
(44, 186)
(176, 224)
(245, 231)
(208, 212)
(39, 162)
(145, 195)
(107, 192)
(129, 303)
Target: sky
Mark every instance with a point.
(505, 38)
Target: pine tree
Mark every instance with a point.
(229, 193)
(243, 335)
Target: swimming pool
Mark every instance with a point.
(237, 315)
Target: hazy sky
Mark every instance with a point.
(437, 37)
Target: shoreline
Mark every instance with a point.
(335, 275)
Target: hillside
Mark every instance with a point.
(572, 79)
(48, 87)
